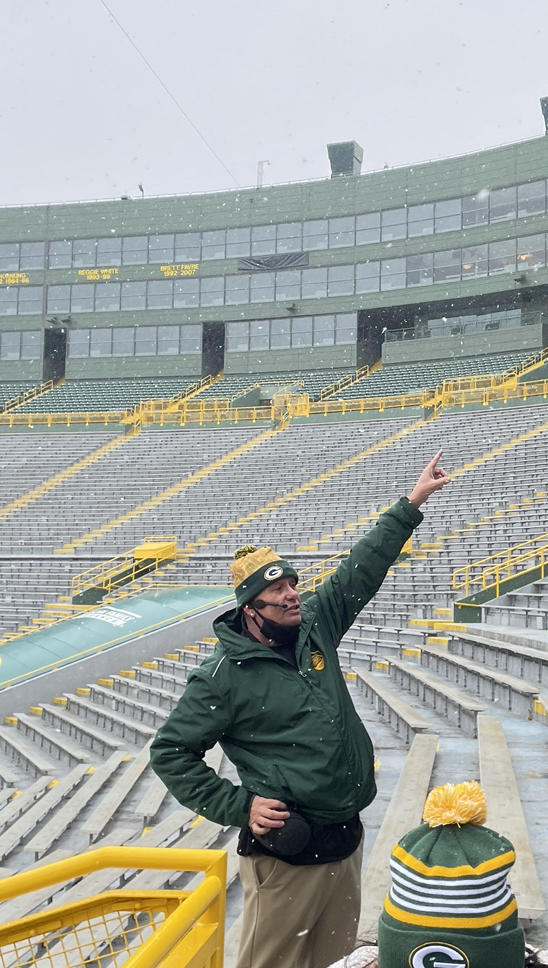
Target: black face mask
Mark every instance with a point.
(279, 634)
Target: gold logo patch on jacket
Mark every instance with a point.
(318, 661)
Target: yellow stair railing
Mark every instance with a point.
(27, 395)
(144, 929)
(347, 381)
(109, 575)
(490, 572)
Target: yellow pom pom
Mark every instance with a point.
(460, 803)
(243, 551)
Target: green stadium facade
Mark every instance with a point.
(432, 261)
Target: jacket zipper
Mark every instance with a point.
(320, 703)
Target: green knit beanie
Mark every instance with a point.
(254, 569)
(450, 903)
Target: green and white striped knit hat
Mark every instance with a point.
(449, 904)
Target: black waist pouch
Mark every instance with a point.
(290, 839)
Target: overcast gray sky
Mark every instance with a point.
(83, 117)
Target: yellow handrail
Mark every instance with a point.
(191, 931)
(489, 572)
(27, 395)
(346, 381)
(124, 568)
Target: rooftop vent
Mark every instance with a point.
(345, 158)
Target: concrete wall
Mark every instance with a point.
(276, 361)
(525, 339)
(124, 656)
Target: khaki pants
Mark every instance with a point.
(298, 917)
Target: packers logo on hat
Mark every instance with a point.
(437, 956)
(275, 571)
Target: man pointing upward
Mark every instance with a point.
(275, 699)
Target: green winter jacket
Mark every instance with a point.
(293, 734)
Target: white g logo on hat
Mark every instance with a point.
(275, 571)
(438, 956)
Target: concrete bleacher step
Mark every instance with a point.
(456, 706)
(104, 813)
(498, 687)
(56, 827)
(403, 813)
(505, 814)
(27, 822)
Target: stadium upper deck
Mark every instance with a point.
(289, 277)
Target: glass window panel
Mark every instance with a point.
(532, 198)
(341, 231)
(78, 343)
(31, 345)
(135, 250)
(451, 206)
(502, 256)
(368, 228)
(259, 334)
(187, 247)
(213, 244)
(237, 337)
(9, 257)
(368, 277)
(58, 299)
(160, 249)
(60, 255)
(280, 334)
(315, 235)
(263, 240)
(191, 339)
(314, 283)
(32, 257)
(420, 220)
(346, 328)
(474, 261)
(145, 340)
(84, 252)
(502, 204)
(168, 340)
(109, 252)
(82, 298)
(394, 224)
(340, 281)
(186, 292)
(420, 270)
(123, 341)
(288, 284)
(475, 209)
(238, 242)
(212, 291)
(262, 287)
(160, 294)
(134, 295)
(100, 342)
(10, 346)
(301, 331)
(324, 330)
(531, 252)
(393, 274)
(237, 289)
(30, 300)
(107, 297)
(447, 265)
(289, 237)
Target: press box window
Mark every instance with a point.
(60, 255)
(107, 297)
(187, 247)
(474, 261)
(168, 340)
(134, 250)
(393, 274)
(32, 255)
(475, 209)
(238, 243)
(315, 234)
(237, 290)
(394, 224)
(78, 343)
(314, 283)
(10, 346)
(100, 342)
(368, 228)
(368, 277)
(502, 204)
(259, 334)
(84, 252)
(280, 334)
(531, 252)
(263, 240)
(109, 252)
(160, 249)
(30, 300)
(123, 341)
(420, 220)
(237, 337)
(448, 215)
(324, 330)
(133, 295)
(340, 281)
(9, 257)
(346, 330)
(58, 299)
(262, 287)
(288, 285)
(420, 270)
(160, 294)
(191, 340)
(447, 265)
(145, 341)
(532, 199)
(341, 232)
(289, 237)
(212, 291)
(82, 299)
(502, 256)
(31, 345)
(186, 293)
(301, 331)
(213, 245)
